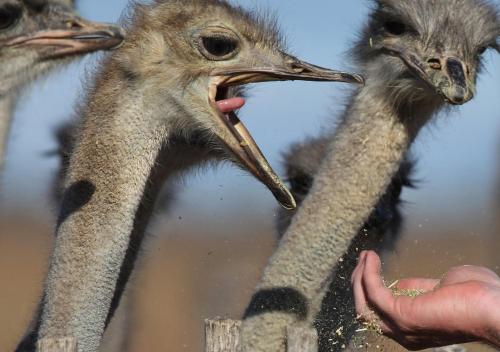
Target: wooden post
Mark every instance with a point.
(65, 344)
(222, 335)
(301, 339)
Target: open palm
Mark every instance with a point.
(463, 306)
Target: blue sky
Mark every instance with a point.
(458, 155)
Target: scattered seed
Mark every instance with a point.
(393, 284)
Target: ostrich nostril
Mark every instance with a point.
(72, 24)
(435, 64)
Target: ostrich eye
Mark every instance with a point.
(218, 47)
(9, 15)
(395, 27)
(37, 5)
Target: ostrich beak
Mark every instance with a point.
(292, 69)
(447, 75)
(233, 132)
(71, 36)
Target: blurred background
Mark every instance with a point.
(205, 255)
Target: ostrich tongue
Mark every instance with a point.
(230, 105)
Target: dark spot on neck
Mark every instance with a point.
(75, 197)
(280, 299)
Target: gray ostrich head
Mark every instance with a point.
(428, 50)
(35, 35)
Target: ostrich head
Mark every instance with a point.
(195, 55)
(35, 35)
(430, 50)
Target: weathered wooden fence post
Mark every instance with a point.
(66, 344)
(301, 339)
(222, 335)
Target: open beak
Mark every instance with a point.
(234, 133)
(447, 75)
(74, 36)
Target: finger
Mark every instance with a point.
(417, 284)
(466, 273)
(372, 267)
(377, 295)
(358, 269)
(358, 291)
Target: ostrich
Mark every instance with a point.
(39, 35)
(379, 232)
(162, 103)
(419, 56)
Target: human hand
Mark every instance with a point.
(463, 306)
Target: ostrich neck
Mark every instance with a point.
(110, 189)
(7, 103)
(365, 153)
